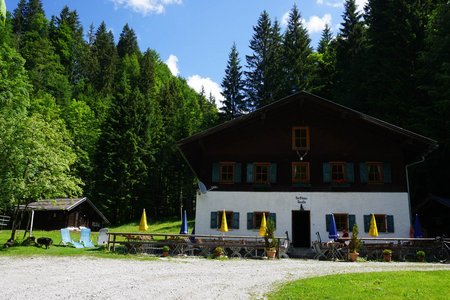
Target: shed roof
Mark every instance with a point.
(59, 204)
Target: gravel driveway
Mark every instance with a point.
(173, 278)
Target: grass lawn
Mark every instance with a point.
(169, 226)
(380, 285)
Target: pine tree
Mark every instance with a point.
(325, 61)
(257, 89)
(127, 42)
(350, 58)
(233, 86)
(297, 66)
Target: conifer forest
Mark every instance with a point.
(85, 113)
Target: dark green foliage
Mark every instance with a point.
(297, 66)
(350, 59)
(233, 85)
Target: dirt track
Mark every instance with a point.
(174, 278)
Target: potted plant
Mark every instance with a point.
(387, 253)
(271, 243)
(218, 252)
(355, 244)
(165, 251)
(420, 255)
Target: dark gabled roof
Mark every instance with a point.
(304, 96)
(59, 204)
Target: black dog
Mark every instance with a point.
(44, 241)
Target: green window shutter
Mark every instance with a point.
(273, 173)
(249, 221)
(250, 173)
(363, 175)
(237, 172)
(273, 217)
(390, 223)
(366, 223)
(327, 222)
(215, 172)
(350, 172)
(214, 220)
(351, 222)
(235, 220)
(387, 173)
(326, 173)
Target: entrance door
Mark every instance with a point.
(301, 228)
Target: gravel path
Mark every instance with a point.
(174, 278)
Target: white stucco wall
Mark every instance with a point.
(318, 203)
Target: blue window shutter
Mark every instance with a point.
(350, 172)
(390, 223)
(327, 222)
(235, 220)
(215, 172)
(363, 175)
(249, 173)
(387, 173)
(214, 220)
(366, 223)
(273, 173)
(273, 217)
(326, 173)
(249, 221)
(351, 222)
(237, 172)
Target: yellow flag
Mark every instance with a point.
(263, 228)
(143, 224)
(373, 230)
(224, 225)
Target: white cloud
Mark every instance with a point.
(285, 19)
(172, 63)
(317, 24)
(360, 4)
(332, 3)
(146, 7)
(197, 82)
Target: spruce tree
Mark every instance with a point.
(297, 65)
(233, 87)
(127, 42)
(256, 86)
(350, 58)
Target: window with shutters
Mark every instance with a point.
(381, 223)
(374, 172)
(262, 173)
(229, 216)
(257, 218)
(300, 138)
(227, 172)
(338, 172)
(300, 172)
(341, 221)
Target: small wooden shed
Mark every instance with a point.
(66, 212)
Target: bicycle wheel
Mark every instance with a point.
(441, 254)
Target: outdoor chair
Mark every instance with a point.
(102, 237)
(284, 247)
(66, 240)
(85, 238)
(321, 252)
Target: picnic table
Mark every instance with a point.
(185, 244)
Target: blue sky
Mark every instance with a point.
(194, 37)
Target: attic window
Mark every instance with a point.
(374, 172)
(262, 173)
(226, 172)
(300, 138)
(338, 172)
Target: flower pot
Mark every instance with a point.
(353, 256)
(387, 257)
(271, 253)
(420, 258)
(165, 254)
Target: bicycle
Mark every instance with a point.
(442, 251)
